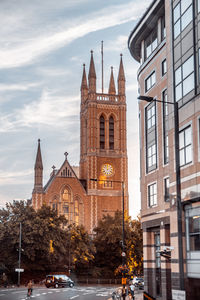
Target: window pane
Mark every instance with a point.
(153, 78)
(186, 18)
(154, 44)
(188, 67)
(182, 157)
(178, 92)
(188, 84)
(181, 139)
(198, 5)
(148, 51)
(188, 136)
(178, 76)
(185, 4)
(177, 29)
(176, 13)
(188, 154)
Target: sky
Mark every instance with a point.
(43, 45)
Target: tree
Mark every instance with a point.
(108, 243)
(38, 228)
(48, 243)
(82, 249)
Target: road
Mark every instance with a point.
(42, 293)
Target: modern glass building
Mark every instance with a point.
(166, 43)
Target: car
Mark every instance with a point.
(138, 282)
(58, 280)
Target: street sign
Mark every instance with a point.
(178, 295)
(19, 270)
(124, 281)
(123, 254)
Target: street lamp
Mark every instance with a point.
(123, 233)
(178, 182)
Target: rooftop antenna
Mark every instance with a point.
(102, 63)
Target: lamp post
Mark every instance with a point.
(178, 182)
(20, 248)
(123, 233)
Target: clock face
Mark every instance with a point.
(107, 169)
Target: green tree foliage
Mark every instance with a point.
(108, 243)
(46, 240)
(82, 249)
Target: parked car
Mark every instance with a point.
(56, 281)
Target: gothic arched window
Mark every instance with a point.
(102, 133)
(66, 199)
(111, 133)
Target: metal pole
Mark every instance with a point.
(20, 244)
(123, 243)
(178, 192)
(102, 63)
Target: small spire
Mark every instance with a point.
(121, 75)
(121, 79)
(112, 90)
(84, 79)
(92, 73)
(38, 161)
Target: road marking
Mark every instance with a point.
(74, 297)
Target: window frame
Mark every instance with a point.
(149, 78)
(111, 133)
(150, 43)
(152, 196)
(102, 132)
(166, 189)
(178, 21)
(185, 146)
(165, 131)
(164, 67)
(180, 79)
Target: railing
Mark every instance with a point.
(106, 97)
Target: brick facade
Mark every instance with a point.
(77, 197)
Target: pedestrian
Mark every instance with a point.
(132, 290)
(5, 280)
(30, 288)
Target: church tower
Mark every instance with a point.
(37, 198)
(103, 145)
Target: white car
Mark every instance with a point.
(137, 281)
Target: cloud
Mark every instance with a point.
(18, 177)
(50, 109)
(19, 87)
(28, 50)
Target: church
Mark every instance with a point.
(99, 186)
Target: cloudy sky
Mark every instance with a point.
(43, 45)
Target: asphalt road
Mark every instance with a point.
(42, 293)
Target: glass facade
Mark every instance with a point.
(182, 15)
(184, 78)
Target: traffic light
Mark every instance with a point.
(51, 248)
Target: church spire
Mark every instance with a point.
(112, 90)
(121, 78)
(38, 170)
(92, 75)
(84, 86)
(84, 79)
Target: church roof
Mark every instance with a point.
(65, 171)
